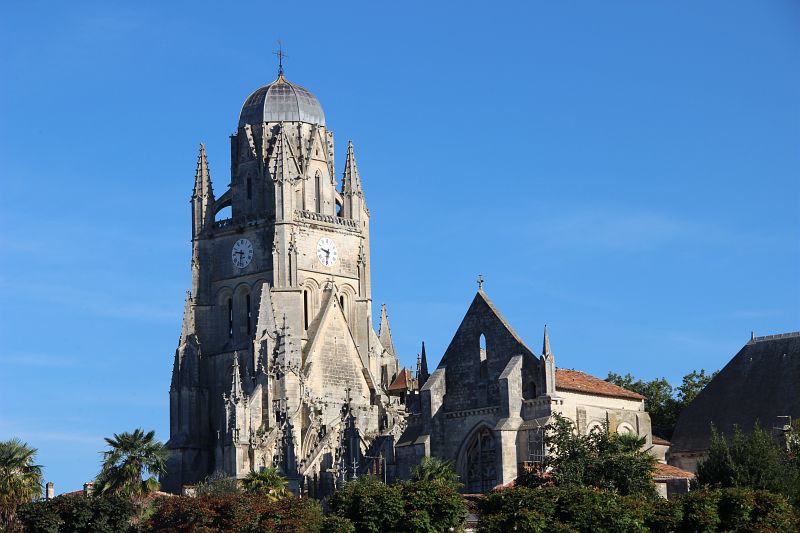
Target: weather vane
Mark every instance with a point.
(280, 55)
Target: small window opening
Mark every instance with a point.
(249, 314)
(338, 209)
(482, 345)
(230, 317)
(249, 188)
(318, 193)
(305, 309)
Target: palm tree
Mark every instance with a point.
(268, 481)
(130, 456)
(629, 442)
(20, 479)
(434, 469)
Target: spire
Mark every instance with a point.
(351, 181)
(202, 195)
(549, 367)
(385, 332)
(546, 344)
(237, 391)
(422, 367)
(202, 176)
(266, 313)
(188, 325)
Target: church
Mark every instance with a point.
(278, 361)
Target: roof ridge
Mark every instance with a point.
(789, 335)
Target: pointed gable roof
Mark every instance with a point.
(402, 382)
(316, 357)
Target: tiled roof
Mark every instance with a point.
(575, 381)
(402, 381)
(668, 471)
(659, 441)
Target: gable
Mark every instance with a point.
(472, 374)
(332, 364)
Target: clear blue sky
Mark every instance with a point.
(626, 172)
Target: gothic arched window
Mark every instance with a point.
(481, 462)
(482, 354)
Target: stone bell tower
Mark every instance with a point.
(278, 362)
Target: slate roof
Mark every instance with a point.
(761, 382)
(575, 381)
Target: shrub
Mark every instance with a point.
(337, 524)
(735, 509)
(372, 506)
(78, 514)
(433, 506)
(236, 514)
(570, 508)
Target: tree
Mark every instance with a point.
(662, 401)
(755, 461)
(370, 505)
(434, 468)
(20, 479)
(268, 481)
(217, 483)
(599, 460)
(131, 455)
(692, 384)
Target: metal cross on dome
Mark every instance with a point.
(280, 55)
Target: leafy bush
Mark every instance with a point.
(78, 514)
(372, 506)
(420, 506)
(580, 509)
(754, 461)
(599, 460)
(337, 524)
(218, 484)
(570, 508)
(237, 514)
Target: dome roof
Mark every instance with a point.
(281, 101)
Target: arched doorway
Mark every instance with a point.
(481, 462)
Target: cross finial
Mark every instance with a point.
(280, 55)
(480, 282)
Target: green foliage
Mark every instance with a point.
(433, 505)
(433, 468)
(337, 524)
(268, 481)
(755, 461)
(244, 513)
(218, 484)
(581, 509)
(78, 514)
(428, 506)
(599, 460)
(130, 455)
(570, 508)
(662, 401)
(372, 506)
(20, 479)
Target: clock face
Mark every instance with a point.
(242, 253)
(326, 251)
